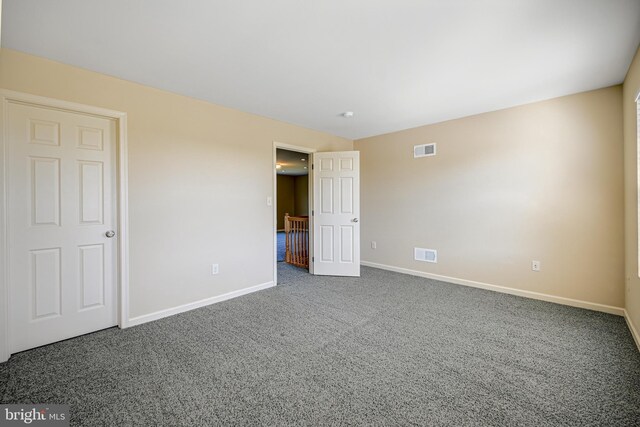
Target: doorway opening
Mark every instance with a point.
(292, 208)
(333, 230)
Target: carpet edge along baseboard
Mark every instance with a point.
(156, 315)
(619, 311)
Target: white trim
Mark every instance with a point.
(297, 148)
(634, 331)
(619, 311)
(7, 96)
(145, 318)
(4, 241)
(274, 197)
(637, 123)
(123, 222)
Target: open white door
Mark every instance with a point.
(336, 206)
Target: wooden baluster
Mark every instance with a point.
(293, 242)
(305, 245)
(287, 230)
(297, 243)
(295, 249)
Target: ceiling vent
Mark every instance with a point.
(424, 150)
(428, 255)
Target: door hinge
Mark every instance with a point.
(313, 259)
(312, 165)
(313, 212)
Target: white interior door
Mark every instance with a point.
(336, 205)
(62, 208)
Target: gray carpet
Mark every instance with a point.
(383, 349)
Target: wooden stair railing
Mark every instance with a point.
(297, 240)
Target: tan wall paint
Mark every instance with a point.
(286, 198)
(301, 189)
(539, 181)
(630, 91)
(542, 181)
(199, 176)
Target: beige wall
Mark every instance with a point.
(286, 198)
(199, 176)
(631, 90)
(301, 189)
(542, 181)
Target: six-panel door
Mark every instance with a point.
(337, 211)
(61, 204)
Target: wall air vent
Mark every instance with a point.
(428, 255)
(424, 150)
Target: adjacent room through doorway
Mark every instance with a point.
(292, 207)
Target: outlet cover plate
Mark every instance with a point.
(535, 265)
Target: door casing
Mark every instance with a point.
(122, 257)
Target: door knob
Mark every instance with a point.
(110, 233)
(354, 220)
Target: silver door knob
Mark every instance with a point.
(354, 220)
(110, 233)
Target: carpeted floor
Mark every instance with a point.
(281, 236)
(383, 349)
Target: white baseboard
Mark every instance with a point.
(632, 328)
(139, 320)
(503, 289)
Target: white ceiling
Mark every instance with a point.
(396, 63)
(291, 163)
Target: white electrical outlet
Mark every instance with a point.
(269, 201)
(214, 269)
(535, 265)
(373, 244)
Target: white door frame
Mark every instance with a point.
(299, 149)
(122, 259)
